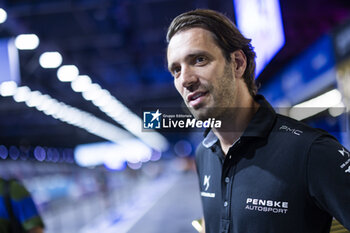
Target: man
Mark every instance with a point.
(260, 172)
(25, 213)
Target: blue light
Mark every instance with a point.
(39, 153)
(14, 152)
(56, 155)
(119, 166)
(261, 21)
(112, 155)
(3, 152)
(9, 61)
(307, 75)
(156, 155)
(183, 148)
(135, 166)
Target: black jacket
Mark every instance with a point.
(281, 176)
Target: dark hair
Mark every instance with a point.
(225, 34)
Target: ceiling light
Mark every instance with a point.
(45, 102)
(102, 99)
(92, 92)
(135, 166)
(81, 83)
(52, 108)
(117, 111)
(8, 88)
(50, 60)
(22, 94)
(66, 113)
(67, 73)
(34, 99)
(316, 105)
(327, 99)
(337, 110)
(3, 15)
(27, 41)
(108, 108)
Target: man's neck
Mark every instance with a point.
(234, 123)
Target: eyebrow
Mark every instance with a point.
(190, 56)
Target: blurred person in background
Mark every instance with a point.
(18, 212)
(260, 171)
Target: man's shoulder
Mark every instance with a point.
(201, 149)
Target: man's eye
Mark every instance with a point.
(200, 59)
(176, 70)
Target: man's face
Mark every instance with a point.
(201, 73)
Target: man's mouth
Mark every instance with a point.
(196, 98)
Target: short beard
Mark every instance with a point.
(215, 112)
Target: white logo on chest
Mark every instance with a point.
(206, 182)
(262, 205)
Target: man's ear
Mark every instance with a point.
(239, 63)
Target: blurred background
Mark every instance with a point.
(76, 76)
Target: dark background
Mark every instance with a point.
(121, 45)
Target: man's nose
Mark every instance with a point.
(189, 78)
